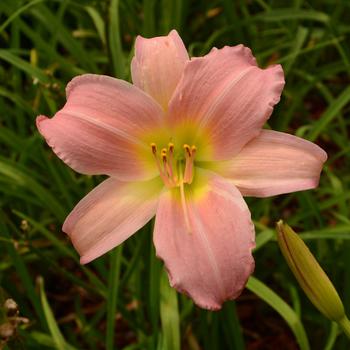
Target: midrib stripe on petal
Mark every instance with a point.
(202, 234)
(226, 89)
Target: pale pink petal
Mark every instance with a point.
(227, 97)
(99, 129)
(110, 214)
(275, 163)
(212, 260)
(158, 64)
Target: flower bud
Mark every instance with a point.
(312, 279)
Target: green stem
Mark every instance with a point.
(344, 323)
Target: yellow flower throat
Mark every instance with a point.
(175, 171)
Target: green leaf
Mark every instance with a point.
(98, 22)
(331, 112)
(293, 14)
(279, 305)
(23, 65)
(169, 315)
(15, 14)
(26, 182)
(114, 40)
(57, 336)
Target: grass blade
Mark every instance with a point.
(18, 62)
(57, 336)
(169, 315)
(279, 305)
(331, 112)
(114, 40)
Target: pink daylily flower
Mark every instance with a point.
(185, 143)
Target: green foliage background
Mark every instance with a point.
(123, 300)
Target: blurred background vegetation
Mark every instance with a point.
(123, 300)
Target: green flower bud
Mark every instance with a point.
(312, 279)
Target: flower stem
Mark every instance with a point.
(344, 323)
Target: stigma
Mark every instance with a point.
(175, 172)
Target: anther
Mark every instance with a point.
(154, 148)
(166, 164)
(187, 149)
(171, 148)
(193, 150)
(164, 154)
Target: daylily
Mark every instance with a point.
(185, 143)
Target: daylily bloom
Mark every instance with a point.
(184, 143)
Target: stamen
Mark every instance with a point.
(190, 153)
(171, 169)
(164, 159)
(162, 172)
(170, 162)
(167, 167)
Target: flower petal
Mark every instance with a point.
(228, 97)
(275, 163)
(212, 261)
(158, 64)
(99, 129)
(110, 214)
